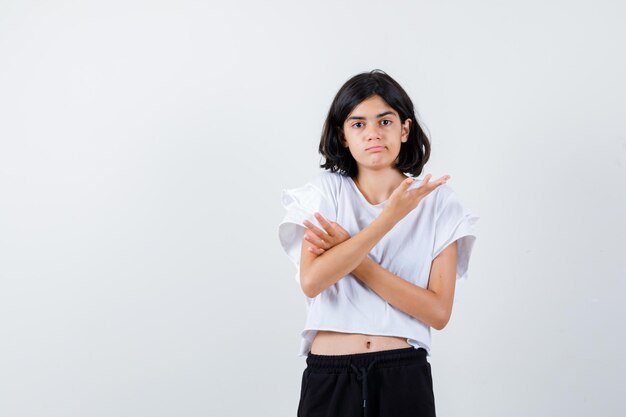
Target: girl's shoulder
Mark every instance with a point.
(327, 176)
(329, 183)
(322, 189)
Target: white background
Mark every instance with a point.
(144, 145)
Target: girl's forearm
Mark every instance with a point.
(340, 260)
(420, 303)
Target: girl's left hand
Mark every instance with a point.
(322, 240)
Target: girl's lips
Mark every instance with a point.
(376, 149)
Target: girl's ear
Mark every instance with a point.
(406, 128)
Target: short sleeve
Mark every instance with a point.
(455, 222)
(301, 203)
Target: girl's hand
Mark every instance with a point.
(322, 240)
(403, 200)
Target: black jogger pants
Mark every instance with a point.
(388, 383)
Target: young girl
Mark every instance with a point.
(377, 253)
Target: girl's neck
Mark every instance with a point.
(377, 186)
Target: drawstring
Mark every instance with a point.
(362, 375)
(362, 364)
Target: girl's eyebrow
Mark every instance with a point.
(378, 115)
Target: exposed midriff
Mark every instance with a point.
(337, 343)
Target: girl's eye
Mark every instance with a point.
(357, 123)
(386, 121)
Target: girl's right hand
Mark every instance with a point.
(403, 200)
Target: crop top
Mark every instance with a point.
(407, 251)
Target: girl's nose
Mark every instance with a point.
(372, 132)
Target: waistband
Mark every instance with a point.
(382, 358)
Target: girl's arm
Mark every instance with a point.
(432, 305)
(318, 272)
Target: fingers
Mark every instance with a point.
(312, 227)
(429, 186)
(443, 180)
(404, 185)
(425, 183)
(317, 250)
(319, 243)
(325, 223)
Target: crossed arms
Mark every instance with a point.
(318, 271)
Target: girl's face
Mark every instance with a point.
(373, 133)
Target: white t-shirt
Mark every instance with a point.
(406, 251)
